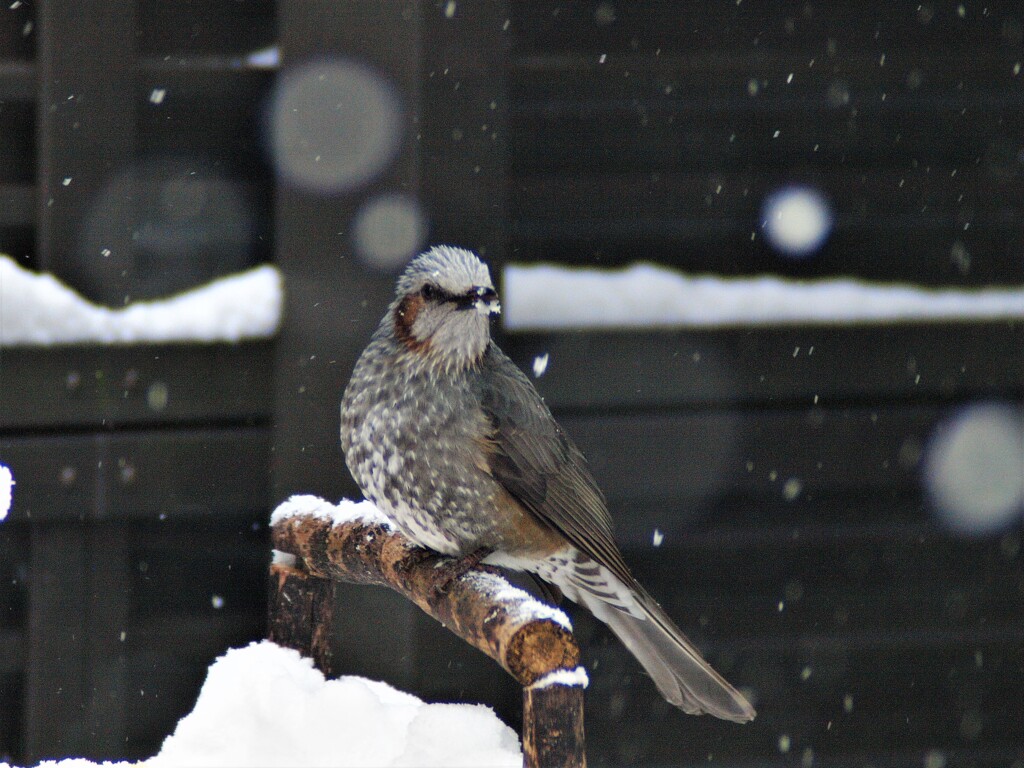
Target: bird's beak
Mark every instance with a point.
(486, 302)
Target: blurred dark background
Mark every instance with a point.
(805, 545)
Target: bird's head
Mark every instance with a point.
(442, 309)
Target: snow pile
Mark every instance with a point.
(267, 706)
(37, 309)
(645, 295)
(6, 490)
(345, 511)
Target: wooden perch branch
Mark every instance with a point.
(527, 646)
(525, 637)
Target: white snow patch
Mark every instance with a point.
(571, 677)
(264, 705)
(540, 364)
(6, 491)
(646, 295)
(345, 511)
(39, 310)
(526, 606)
(283, 558)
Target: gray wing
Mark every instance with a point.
(539, 465)
(536, 462)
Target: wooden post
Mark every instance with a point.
(529, 640)
(553, 727)
(301, 610)
(86, 125)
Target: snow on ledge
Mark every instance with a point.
(545, 297)
(39, 310)
(345, 511)
(570, 677)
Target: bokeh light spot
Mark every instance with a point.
(335, 125)
(797, 220)
(974, 469)
(163, 225)
(388, 230)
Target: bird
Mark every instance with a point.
(454, 444)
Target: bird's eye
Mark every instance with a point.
(430, 292)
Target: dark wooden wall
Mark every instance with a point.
(654, 132)
(142, 472)
(592, 133)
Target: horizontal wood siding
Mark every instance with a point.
(654, 131)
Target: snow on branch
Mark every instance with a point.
(345, 511)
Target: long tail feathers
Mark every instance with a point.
(682, 676)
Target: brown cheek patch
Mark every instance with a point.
(405, 316)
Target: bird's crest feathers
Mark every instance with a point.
(451, 269)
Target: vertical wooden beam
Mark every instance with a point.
(465, 125)
(449, 74)
(57, 680)
(333, 300)
(85, 132)
(76, 676)
(450, 164)
(107, 608)
(553, 727)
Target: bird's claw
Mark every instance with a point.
(453, 569)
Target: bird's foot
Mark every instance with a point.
(452, 569)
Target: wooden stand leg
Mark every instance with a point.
(553, 727)
(300, 614)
